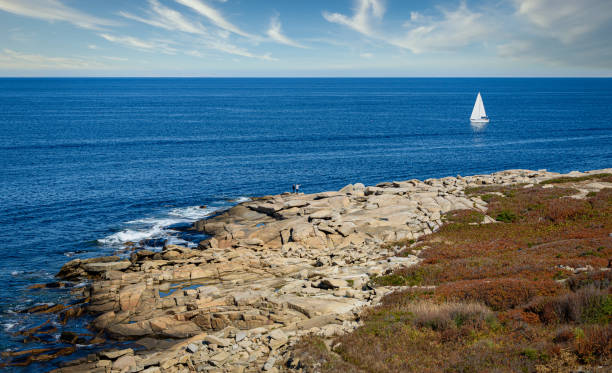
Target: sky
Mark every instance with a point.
(302, 38)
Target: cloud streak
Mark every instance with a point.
(275, 33)
(365, 11)
(143, 45)
(214, 16)
(166, 18)
(169, 19)
(10, 59)
(54, 10)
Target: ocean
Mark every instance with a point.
(90, 164)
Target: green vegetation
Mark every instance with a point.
(506, 217)
(569, 179)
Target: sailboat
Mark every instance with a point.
(478, 113)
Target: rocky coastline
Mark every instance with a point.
(273, 270)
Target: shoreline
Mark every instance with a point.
(274, 269)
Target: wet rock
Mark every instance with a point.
(129, 297)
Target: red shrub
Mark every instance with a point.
(588, 305)
(500, 293)
(565, 208)
(595, 344)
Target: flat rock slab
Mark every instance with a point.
(316, 306)
(108, 266)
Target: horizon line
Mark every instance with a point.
(301, 77)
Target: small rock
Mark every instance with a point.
(278, 334)
(240, 336)
(219, 358)
(331, 283)
(116, 353)
(124, 363)
(212, 340)
(321, 214)
(269, 364)
(192, 347)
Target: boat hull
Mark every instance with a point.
(479, 120)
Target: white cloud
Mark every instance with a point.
(223, 46)
(170, 19)
(10, 59)
(455, 29)
(166, 18)
(566, 20)
(53, 10)
(214, 16)
(275, 33)
(555, 32)
(366, 55)
(143, 45)
(114, 58)
(361, 19)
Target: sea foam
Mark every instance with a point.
(157, 227)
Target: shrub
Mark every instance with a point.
(565, 208)
(499, 294)
(464, 216)
(587, 305)
(447, 315)
(602, 200)
(565, 335)
(312, 354)
(506, 216)
(598, 279)
(412, 276)
(596, 343)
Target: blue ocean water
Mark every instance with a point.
(88, 164)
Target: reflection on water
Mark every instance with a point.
(478, 131)
(478, 127)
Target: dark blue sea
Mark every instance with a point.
(89, 164)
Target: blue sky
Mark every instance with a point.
(305, 38)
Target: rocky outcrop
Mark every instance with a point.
(273, 269)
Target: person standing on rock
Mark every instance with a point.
(297, 188)
(293, 188)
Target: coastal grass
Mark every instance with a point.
(606, 177)
(530, 293)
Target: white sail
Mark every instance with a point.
(478, 113)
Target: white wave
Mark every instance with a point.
(156, 227)
(156, 221)
(8, 326)
(16, 273)
(132, 235)
(178, 241)
(193, 213)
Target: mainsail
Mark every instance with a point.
(479, 111)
